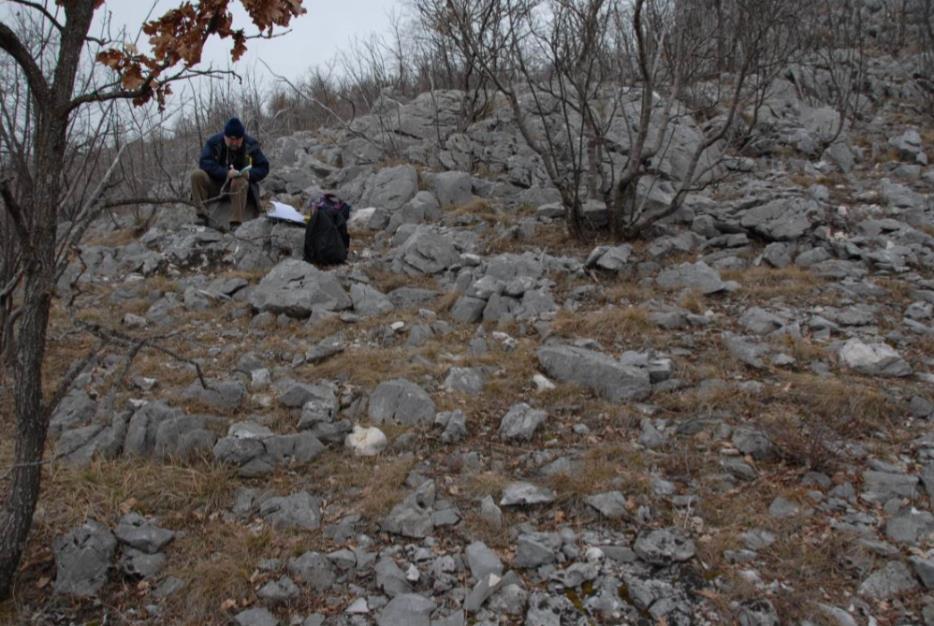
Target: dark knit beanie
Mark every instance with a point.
(234, 128)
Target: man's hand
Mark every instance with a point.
(232, 173)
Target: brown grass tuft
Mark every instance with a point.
(607, 324)
(804, 349)
(477, 207)
(379, 496)
(693, 301)
(380, 364)
(446, 302)
(767, 283)
(603, 468)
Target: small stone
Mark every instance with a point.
(542, 383)
(876, 359)
(891, 580)
(664, 545)
(366, 441)
(782, 507)
(520, 422)
(911, 527)
(482, 560)
(358, 607)
(256, 617)
(924, 568)
(407, 609)
(533, 550)
(281, 590)
(491, 514)
(611, 504)
(524, 493)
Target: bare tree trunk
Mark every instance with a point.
(38, 230)
(31, 430)
(32, 420)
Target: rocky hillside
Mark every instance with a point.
(479, 420)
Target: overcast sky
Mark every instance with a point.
(316, 36)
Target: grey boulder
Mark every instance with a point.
(595, 371)
(402, 402)
(299, 510)
(82, 559)
(296, 288)
(138, 532)
(520, 422)
(697, 276)
(875, 359)
(893, 579)
(407, 609)
(524, 493)
(664, 546)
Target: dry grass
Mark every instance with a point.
(607, 324)
(554, 236)
(385, 280)
(478, 208)
(114, 238)
(605, 467)
(486, 484)
(379, 496)
(804, 350)
(805, 558)
(693, 301)
(764, 283)
(899, 290)
(381, 364)
(803, 414)
(800, 443)
(478, 530)
(105, 490)
(628, 292)
(221, 561)
(445, 303)
(161, 283)
(847, 404)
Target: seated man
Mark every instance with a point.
(231, 166)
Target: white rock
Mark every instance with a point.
(366, 441)
(358, 607)
(360, 217)
(874, 359)
(542, 383)
(594, 554)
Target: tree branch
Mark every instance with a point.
(43, 10)
(10, 43)
(15, 212)
(114, 335)
(146, 87)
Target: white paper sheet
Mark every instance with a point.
(280, 211)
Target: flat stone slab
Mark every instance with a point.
(595, 371)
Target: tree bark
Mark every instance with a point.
(41, 203)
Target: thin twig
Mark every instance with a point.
(108, 333)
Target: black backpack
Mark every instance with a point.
(326, 238)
